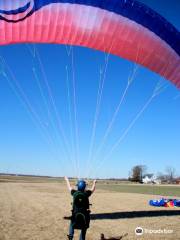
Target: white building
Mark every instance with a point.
(150, 178)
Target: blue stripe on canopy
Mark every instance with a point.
(16, 11)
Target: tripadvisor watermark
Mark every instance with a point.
(140, 231)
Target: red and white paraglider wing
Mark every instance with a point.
(125, 28)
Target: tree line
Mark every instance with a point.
(139, 171)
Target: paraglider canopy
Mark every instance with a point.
(125, 28)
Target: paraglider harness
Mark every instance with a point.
(80, 212)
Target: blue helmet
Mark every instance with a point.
(81, 185)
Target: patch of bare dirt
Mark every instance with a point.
(36, 211)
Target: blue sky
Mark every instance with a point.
(31, 139)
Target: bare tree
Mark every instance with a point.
(137, 173)
(170, 173)
(161, 176)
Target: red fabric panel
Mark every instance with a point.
(95, 28)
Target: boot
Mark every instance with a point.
(70, 237)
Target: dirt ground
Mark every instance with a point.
(36, 211)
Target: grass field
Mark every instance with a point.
(162, 190)
(34, 209)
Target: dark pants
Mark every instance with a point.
(82, 235)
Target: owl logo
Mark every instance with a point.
(15, 10)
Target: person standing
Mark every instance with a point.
(80, 218)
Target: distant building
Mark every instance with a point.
(177, 181)
(148, 178)
(157, 181)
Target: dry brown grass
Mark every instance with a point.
(35, 211)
